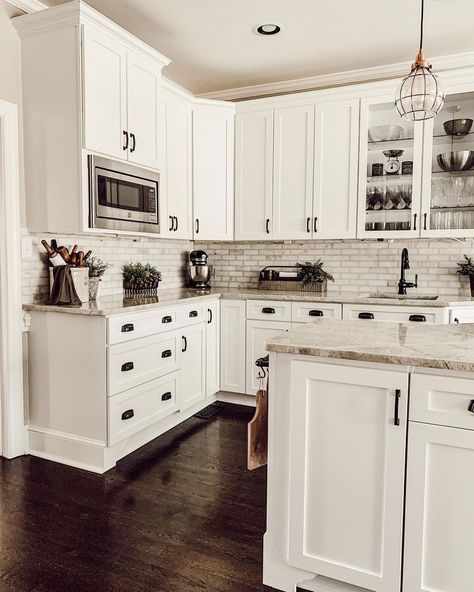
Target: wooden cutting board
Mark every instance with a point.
(257, 434)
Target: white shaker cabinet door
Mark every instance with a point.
(105, 94)
(347, 459)
(143, 89)
(193, 369)
(335, 169)
(253, 175)
(293, 172)
(232, 348)
(439, 530)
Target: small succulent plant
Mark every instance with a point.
(313, 272)
(466, 267)
(97, 267)
(139, 276)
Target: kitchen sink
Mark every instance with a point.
(404, 296)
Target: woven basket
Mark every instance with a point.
(292, 285)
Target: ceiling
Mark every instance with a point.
(212, 46)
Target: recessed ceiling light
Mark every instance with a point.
(267, 29)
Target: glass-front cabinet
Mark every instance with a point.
(390, 171)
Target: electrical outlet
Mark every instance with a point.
(26, 248)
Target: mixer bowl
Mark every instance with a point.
(201, 275)
(458, 160)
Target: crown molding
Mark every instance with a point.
(28, 6)
(363, 75)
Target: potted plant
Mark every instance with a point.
(466, 267)
(97, 268)
(313, 277)
(140, 279)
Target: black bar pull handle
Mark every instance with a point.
(414, 221)
(128, 414)
(308, 224)
(193, 314)
(127, 366)
(125, 146)
(166, 354)
(185, 344)
(127, 328)
(267, 225)
(166, 396)
(315, 313)
(177, 223)
(197, 225)
(366, 315)
(470, 407)
(425, 216)
(315, 227)
(268, 310)
(209, 316)
(417, 318)
(134, 143)
(396, 419)
(167, 319)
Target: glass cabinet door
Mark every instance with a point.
(390, 172)
(448, 185)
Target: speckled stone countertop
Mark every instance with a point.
(169, 297)
(449, 347)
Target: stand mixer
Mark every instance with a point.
(200, 273)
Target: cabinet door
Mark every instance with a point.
(233, 346)
(104, 93)
(293, 172)
(258, 332)
(212, 348)
(143, 88)
(253, 175)
(335, 170)
(193, 366)
(347, 460)
(213, 166)
(439, 523)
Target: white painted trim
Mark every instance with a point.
(28, 6)
(363, 75)
(11, 318)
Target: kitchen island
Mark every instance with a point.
(371, 451)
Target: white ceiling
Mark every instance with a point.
(212, 46)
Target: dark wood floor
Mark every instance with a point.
(181, 514)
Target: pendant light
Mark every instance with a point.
(420, 96)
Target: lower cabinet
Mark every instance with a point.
(347, 465)
(233, 346)
(213, 348)
(193, 366)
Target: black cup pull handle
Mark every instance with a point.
(134, 143)
(366, 315)
(167, 319)
(193, 314)
(267, 225)
(127, 328)
(268, 310)
(315, 313)
(125, 146)
(127, 366)
(417, 318)
(166, 396)
(396, 417)
(470, 407)
(308, 224)
(166, 354)
(128, 414)
(185, 344)
(209, 316)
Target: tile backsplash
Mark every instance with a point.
(357, 266)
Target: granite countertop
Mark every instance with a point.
(118, 305)
(449, 347)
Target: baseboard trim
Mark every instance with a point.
(236, 398)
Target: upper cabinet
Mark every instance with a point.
(213, 166)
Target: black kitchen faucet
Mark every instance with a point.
(402, 283)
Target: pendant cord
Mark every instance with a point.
(422, 22)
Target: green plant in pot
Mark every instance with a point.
(313, 276)
(140, 279)
(466, 267)
(97, 268)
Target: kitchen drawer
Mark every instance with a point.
(268, 310)
(305, 312)
(122, 328)
(396, 314)
(141, 360)
(461, 315)
(142, 406)
(442, 400)
(191, 314)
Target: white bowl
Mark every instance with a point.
(384, 133)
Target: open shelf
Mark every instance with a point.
(395, 179)
(468, 173)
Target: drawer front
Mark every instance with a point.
(142, 406)
(461, 315)
(442, 400)
(190, 315)
(123, 328)
(395, 314)
(305, 312)
(141, 360)
(268, 310)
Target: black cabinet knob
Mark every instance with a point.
(417, 318)
(470, 407)
(127, 328)
(166, 396)
(167, 319)
(268, 310)
(366, 315)
(315, 313)
(128, 414)
(127, 366)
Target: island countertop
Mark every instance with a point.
(449, 347)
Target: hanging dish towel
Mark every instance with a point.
(63, 291)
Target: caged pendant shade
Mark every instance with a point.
(420, 95)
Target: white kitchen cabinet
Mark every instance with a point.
(461, 315)
(335, 169)
(346, 484)
(307, 312)
(176, 172)
(213, 348)
(258, 332)
(233, 344)
(193, 366)
(253, 175)
(396, 314)
(213, 167)
(293, 172)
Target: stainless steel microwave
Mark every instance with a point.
(123, 196)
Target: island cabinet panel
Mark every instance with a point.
(347, 465)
